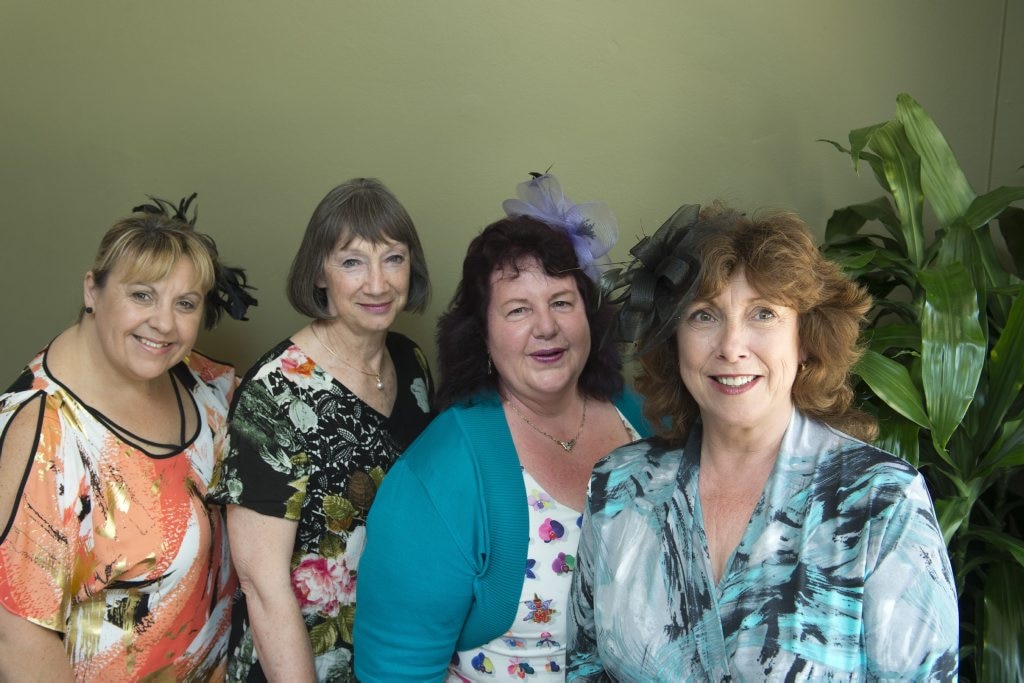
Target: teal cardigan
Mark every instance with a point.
(447, 535)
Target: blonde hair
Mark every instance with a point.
(150, 245)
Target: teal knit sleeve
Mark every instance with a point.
(417, 573)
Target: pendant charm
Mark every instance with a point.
(567, 446)
(380, 383)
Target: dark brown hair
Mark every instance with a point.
(462, 330)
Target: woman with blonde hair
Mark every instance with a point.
(112, 564)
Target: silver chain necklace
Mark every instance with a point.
(566, 445)
(375, 375)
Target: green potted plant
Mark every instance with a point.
(944, 366)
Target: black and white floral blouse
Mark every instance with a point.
(303, 447)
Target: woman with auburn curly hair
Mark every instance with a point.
(757, 536)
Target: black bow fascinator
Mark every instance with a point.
(658, 283)
(228, 294)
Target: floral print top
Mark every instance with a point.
(840, 575)
(534, 648)
(303, 447)
(112, 545)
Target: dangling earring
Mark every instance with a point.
(88, 310)
(803, 366)
(490, 366)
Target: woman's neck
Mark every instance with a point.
(544, 406)
(366, 350)
(728, 448)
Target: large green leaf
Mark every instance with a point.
(898, 336)
(965, 454)
(906, 312)
(1008, 450)
(852, 260)
(875, 256)
(1001, 649)
(850, 219)
(860, 139)
(899, 436)
(952, 347)
(941, 178)
(858, 142)
(1002, 541)
(1002, 286)
(951, 513)
(987, 206)
(1005, 372)
(902, 169)
(891, 382)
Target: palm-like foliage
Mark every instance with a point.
(945, 361)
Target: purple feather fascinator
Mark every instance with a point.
(591, 226)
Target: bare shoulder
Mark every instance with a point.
(17, 447)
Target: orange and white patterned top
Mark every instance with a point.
(114, 547)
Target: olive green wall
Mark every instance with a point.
(263, 106)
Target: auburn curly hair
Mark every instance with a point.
(780, 260)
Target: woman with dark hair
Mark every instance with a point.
(316, 424)
(757, 536)
(112, 565)
(471, 542)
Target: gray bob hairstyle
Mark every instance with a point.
(358, 208)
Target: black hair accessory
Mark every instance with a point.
(658, 283)
(229, 293)
(165, 208)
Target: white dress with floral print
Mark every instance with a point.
(534, 648)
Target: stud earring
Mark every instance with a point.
(88, 310)
(803, 366)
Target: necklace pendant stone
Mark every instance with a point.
(567, 445)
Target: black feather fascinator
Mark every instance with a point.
(229, 293)
(658, 283)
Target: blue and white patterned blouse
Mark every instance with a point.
(841, 573)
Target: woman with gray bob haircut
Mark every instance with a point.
(318, 422)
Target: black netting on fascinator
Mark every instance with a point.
(658, 283)
(228, 294)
